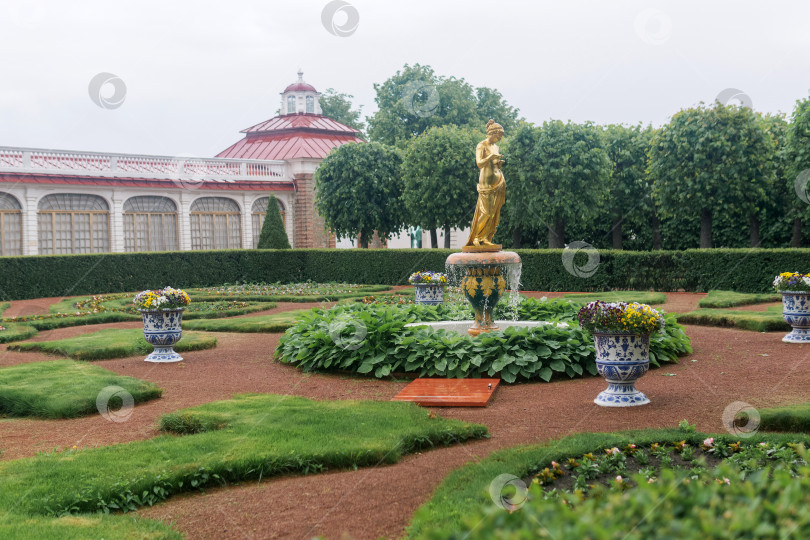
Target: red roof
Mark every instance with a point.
(300, 87)
(301, 121)
(292, 136)
(143, 182)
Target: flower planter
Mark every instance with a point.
(429, 294)
(161, 329)
(621, 359)
(796, 312)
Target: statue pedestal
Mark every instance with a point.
(481, 249)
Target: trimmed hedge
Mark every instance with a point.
(741, 270)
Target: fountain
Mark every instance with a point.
(483, 270)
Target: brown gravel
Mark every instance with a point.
(727, 365)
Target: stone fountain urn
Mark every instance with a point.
(483, 282)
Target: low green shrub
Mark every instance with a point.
(758, 321)
(727, 299)
(63, 389)
(543, 270)
(16, 332)
(373, 339)
(113, 343)
(462, 505)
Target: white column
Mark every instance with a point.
(289, 219)
(247, 225)
(30, 228)
(183, 220)
(117, 222)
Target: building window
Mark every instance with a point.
(290, 104)
(259, 210)
(10, 225)
(215, 224)
(310, 104)
(150, 224)
(73, 223)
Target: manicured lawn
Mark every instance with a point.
(253, 436)
(63, 389)
(286, 292)
(726, 299)
(16, 332)
(276, 322)
(113, 343)
(759, 321)
(650, 298)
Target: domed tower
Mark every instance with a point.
(300, 98)
(302, 137)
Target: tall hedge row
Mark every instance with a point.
(744, 270)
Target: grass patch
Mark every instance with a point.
(650, 298)
(276, 322)
(113, 343)
(759, 321)
(793, 418)
(63, 389)
(462, 502)
(259, 436)
(727, 299)
(16, 332)
(285, 292)
(4, 306)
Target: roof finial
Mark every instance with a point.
(300, 75)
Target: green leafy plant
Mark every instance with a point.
(373, 339)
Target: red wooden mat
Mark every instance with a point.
(449, 392)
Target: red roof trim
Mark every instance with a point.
(143, 182)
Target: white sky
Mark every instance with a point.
(197, 72)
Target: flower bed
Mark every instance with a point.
(373, 339)
(792, 281)
(644, 484)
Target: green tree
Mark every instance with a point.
(555, 173)
(440, 176)
(711, 161)
(359, 190)
(629, 193)
(416, 99)
(273, 235)
(338, 106)
(797, 150)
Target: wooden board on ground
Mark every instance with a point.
(449, 392)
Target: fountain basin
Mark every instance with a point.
(461, 327)
(484, 282)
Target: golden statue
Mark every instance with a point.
(491, 192)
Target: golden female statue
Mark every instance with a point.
(491, 192)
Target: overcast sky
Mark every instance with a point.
(198, 72)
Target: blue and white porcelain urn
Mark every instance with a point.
(429, 293)
(161, 329)
(621, 359)
(796, 312)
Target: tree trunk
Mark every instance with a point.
(753, 224)
(556, 235)
(796, 239)
(705, 228)
(362, 241)
(434, 239)
(517, 237)
(446, 236)
(617, 230)
(658, 243)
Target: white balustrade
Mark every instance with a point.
(65, 162)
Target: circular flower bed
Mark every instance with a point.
(373, 339)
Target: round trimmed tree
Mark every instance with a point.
(358, 190)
